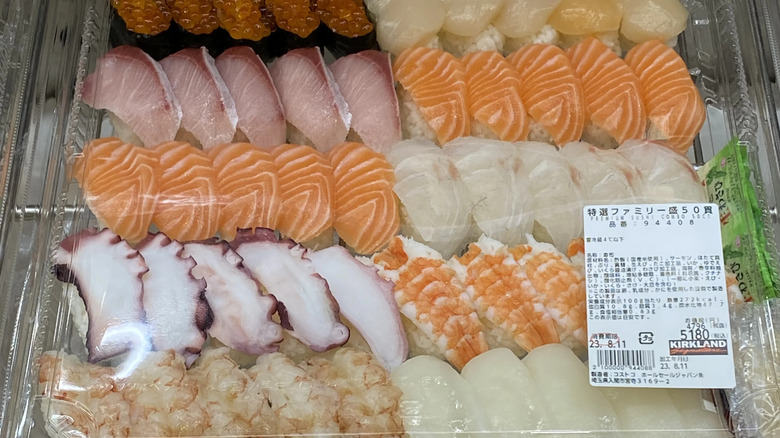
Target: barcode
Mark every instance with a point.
(619, 359)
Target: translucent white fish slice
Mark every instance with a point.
(436, 399)
(402, 24)
(563, 380)
(556, 199)
(605, 176)
(434, 205)
(699, 413)
(520, 18)
(497, 190)
(648, 409)
(666, 175)
(469, 17)
(506, 391)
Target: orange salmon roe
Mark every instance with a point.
(296, 16)
(148, 17)
(195, 16)
(242, 19)
(345, 17)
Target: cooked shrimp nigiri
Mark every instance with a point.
(429, 294)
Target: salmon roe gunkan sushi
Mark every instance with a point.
(295, 16)
(148, 17)
(194, 16)
(345, 17)
(243, 19)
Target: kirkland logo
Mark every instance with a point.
(708, 347)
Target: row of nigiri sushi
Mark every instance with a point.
(545, 94)
(192, 97)
(519, 297)
(505, 190)
(461, 26)
(546, 391)
(250, 20)
(190, 194)
(166, 295)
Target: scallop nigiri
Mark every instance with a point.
(522, 18)
(187, 208)
(429, 293)
(675, 109)
(402, 24)
(433, 94)
(366, 210)
(306, 187)
(584, 17)
(435, 208)
(494, 97)
(495, 283)
(551, 91)
(121, 183)
(645, 20)
(612, 94)
(247, 188)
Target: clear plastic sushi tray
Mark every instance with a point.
(409, 274)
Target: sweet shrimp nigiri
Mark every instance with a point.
(428, 292)
(499, 288)
(366, 209)
(551, 91)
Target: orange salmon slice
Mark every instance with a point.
(366, 210)
(612, 90)
(494, 95)
(247, 188)
(551, 90)
(674, 106)
(436, 80)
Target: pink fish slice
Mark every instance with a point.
(259, 109)
(208, 110)
(134, 88)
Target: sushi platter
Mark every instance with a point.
(349, 218)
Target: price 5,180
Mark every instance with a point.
(697, 334)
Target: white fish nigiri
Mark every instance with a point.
(496, 188)
(469, 17)
(436, 399)
(563, 380)
(365, 79)
(506, 391)
(312, 101)
(134, 88)
(208, 110)
(435, 208)
(522, 18)
(604, 175)
(259, 110)
(556, 199)
(648, 409)
(666, 175)
(402, 24)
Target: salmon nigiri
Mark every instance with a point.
(120, 182)
(494, 90)
(551, 91)
(674, 107)
(306, 186)
(187, 208)
(433, 94)
(366, 210)
(248, 188)
(611, 93)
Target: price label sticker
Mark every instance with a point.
(658, 310)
